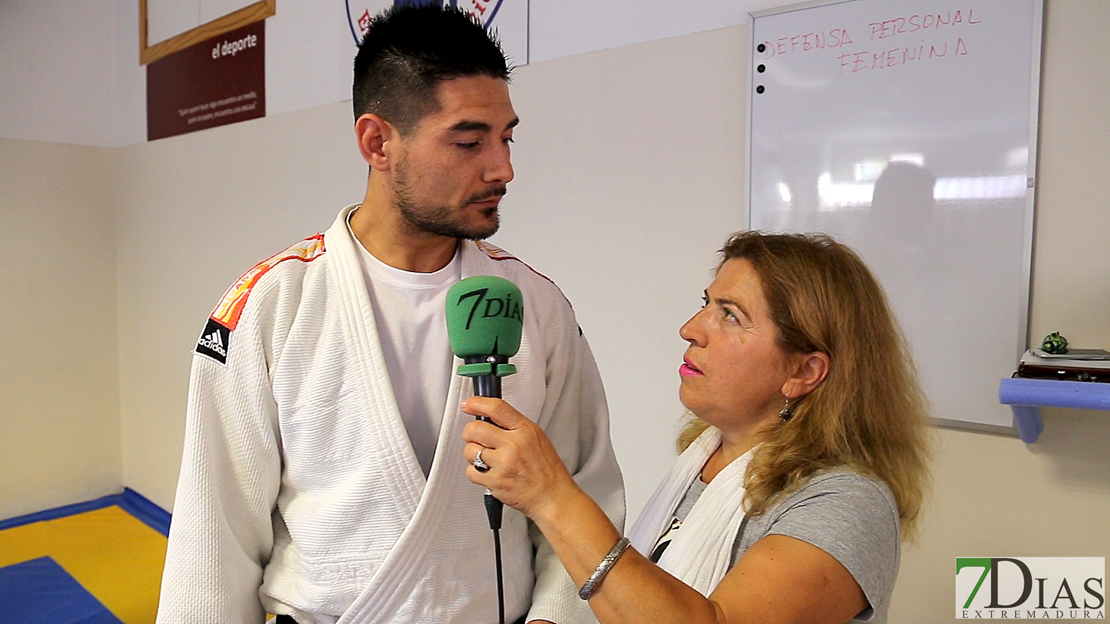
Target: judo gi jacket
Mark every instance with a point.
(300, 492)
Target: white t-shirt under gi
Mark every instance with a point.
(410, 310)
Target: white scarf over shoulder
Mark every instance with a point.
(701, 551)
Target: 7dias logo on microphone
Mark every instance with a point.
(487, 305)
(1030, 588)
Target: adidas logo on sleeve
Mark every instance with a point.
(214, 341)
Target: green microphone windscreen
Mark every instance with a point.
(485, 316)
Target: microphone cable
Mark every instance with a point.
(493, 511)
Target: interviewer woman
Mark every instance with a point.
(800, 474)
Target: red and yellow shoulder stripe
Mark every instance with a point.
(496, 253)
(229, 310)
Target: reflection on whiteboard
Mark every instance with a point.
(904, 129)
(858, 195)
(507, 18)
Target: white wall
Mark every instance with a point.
(629, 166)
(59, 392)
(59, 78)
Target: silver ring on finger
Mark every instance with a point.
(478, 464)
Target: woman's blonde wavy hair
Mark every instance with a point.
(869, 414)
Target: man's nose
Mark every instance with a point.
(500, 167)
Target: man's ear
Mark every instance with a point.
(810, 369)
(376, 141)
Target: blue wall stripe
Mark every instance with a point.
(130, 501)
(142, 508)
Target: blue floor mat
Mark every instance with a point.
(40, 591)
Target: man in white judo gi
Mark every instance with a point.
(322, 476)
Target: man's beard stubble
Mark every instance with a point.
(445, 220)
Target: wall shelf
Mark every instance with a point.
(1026, 396)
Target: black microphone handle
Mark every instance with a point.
(490, 386)
(487, 386)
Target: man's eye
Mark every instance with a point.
(469, 145)
(704, 301)
(507, 140)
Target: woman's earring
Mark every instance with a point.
(786, 412)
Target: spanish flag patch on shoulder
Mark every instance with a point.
(216, 338)
(231, 306)
(495, 252)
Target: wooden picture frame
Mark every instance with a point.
(255, 12)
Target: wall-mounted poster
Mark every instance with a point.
(205, 63)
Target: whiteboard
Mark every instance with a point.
(907, 130)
